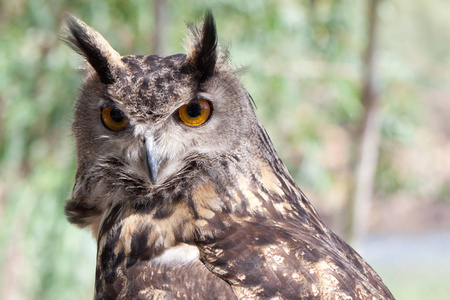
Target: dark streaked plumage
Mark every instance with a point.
(194, 212)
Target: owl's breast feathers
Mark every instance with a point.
(255, 231)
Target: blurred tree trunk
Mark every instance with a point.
(368, 139)
(159, 35)
(1, 110)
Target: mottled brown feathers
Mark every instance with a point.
(219, 216)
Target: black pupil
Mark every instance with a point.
(194, 110)
(117, 115)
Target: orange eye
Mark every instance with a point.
(195, 113)
(114, 118)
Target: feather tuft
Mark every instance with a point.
(90, 44)
(202, 48)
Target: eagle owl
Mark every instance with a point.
(183, 189)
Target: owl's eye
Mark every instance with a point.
(195, 113)
(114, 118)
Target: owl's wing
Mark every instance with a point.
(282, 259)
(274, 262)
(269, 242)
(125, 271)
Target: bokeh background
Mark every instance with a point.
(327, 77)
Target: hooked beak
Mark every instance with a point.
(151, 157)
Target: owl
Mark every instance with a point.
(183, 189)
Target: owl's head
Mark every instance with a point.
(145, 122)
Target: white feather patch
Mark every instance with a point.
(176, 256)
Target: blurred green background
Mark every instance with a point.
(305, 70)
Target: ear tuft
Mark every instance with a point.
(89, 43)
(202, 48)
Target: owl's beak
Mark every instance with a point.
(151, 158)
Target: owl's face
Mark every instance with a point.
(143, 122)
(161, 114)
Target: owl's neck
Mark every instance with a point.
(232, 193)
